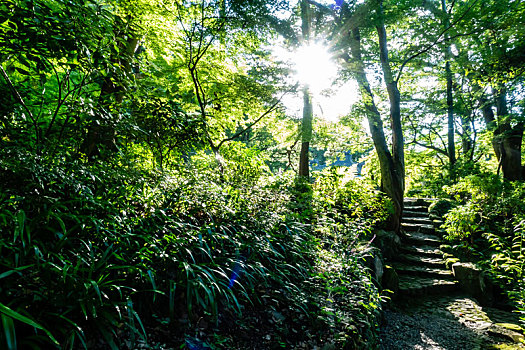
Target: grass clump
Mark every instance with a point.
(112, 256)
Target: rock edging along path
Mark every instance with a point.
(430, 311)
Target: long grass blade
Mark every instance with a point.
(15, 315)
(9, 332)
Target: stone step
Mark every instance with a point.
(418, 201)
(414, 286)
(422, 250)
(421, 239)
(430, 229)
(416, 220)
(421, 260)
(419, 214)
(404, 269)
(416, 208)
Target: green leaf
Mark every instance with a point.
(9, 331)
(18, 269)
(108, 337)
(22, 71)
(15, 315)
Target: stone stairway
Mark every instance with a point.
(420, 265)
(430, 309)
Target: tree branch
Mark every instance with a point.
(237, 134)
(15, 93)
(437, 41)
(434, 148)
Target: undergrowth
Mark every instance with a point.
(110, 256)
(487, 226)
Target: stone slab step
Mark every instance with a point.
(404, 269)
(422, 250)
(412, 214)
(418, 201)
(414, 285)
(416, 220)
(421, 239)
(418, 228)
(419, 260)
(417, 208)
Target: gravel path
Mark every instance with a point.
(447, 323)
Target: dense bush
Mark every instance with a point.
(488, 224)
(440, 207)
(115, 255)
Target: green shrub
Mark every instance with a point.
(441, 207)
(487, 226)
(106, 251)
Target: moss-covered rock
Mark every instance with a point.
(390, 279)
(440, 207)
(474, 282)
(388, 242)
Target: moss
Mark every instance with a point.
(440, 207)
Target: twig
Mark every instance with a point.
(14, 91)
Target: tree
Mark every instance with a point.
(391, 160)
(494, 66)
(217, 38)
(451, 145)
(51, 62)
(306, 125)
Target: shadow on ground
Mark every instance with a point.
(450, 323)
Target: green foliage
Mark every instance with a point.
(106, 251)
(166, 129)
(441, 207)
(507, 263)
(55, 68)
(488, 204)
(352, 200)
(146, 175)
(488, 223)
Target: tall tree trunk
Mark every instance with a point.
(392, 169)
(466, 139)
(398, 155)
(451, 146)
(306, 125)
(508, 139)
(490, 121)
(306, 134)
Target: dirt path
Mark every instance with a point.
(453, 322)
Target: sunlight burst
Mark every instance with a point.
(314, 67)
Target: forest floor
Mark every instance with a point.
(452, 322)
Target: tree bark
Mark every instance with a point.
(466, 139)
(306, 134)
(451, 146)
(507, 139)
(490, 120)
(306, 125)
(397, 170)
(392, 167)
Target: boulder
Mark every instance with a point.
(390, 279)
(374, 262)
(388, 242)
(474, 282)
(378, 268)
